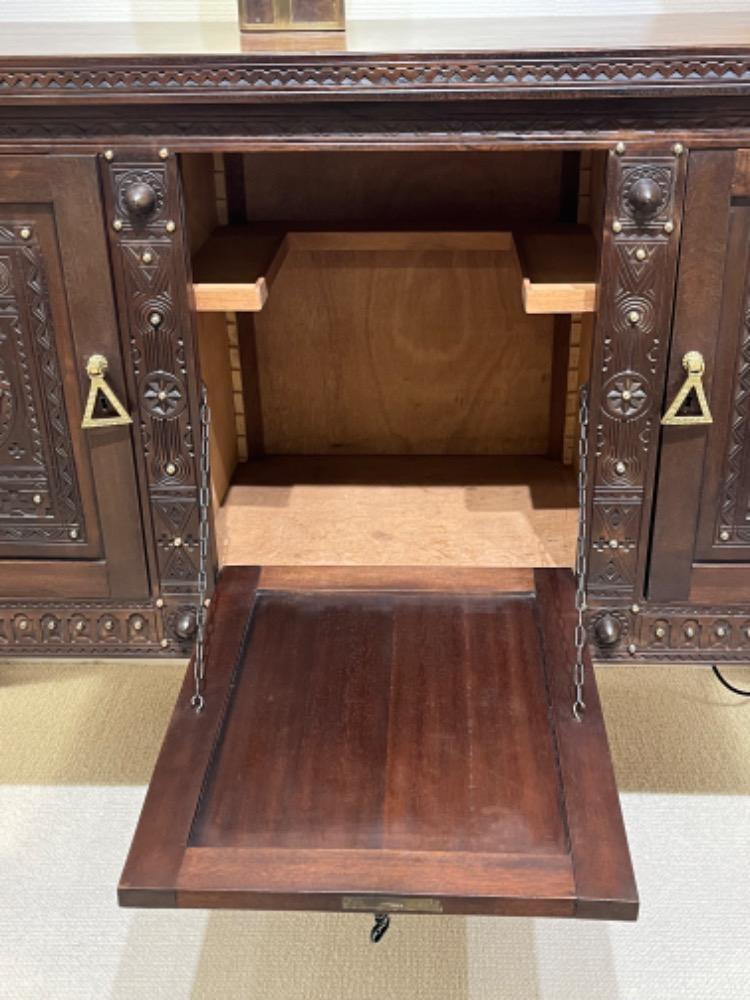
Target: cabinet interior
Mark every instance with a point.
(392, 344)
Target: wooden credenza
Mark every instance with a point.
(643, 134)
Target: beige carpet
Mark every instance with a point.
(77, 743)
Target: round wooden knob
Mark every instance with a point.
(607, 631)
(140, 199)
(646, 197)
(185, 624)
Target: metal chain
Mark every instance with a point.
(204, 527)
(579, 670)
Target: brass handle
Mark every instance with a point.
(96, 369)
(695, 366)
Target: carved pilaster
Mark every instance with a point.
(148, 240)
(638, 269)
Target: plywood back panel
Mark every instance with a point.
(409, 352)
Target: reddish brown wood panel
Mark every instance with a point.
(401, 748)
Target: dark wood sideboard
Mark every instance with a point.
(105, 147)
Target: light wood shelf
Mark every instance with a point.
(235, 268)
(558, 270)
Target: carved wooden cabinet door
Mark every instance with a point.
(701, 534)
(70, 521)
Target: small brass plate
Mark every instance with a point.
(383, 904)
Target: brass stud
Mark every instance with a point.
(73, 533)
(164, 643)
(634, 317)
(678, 149)
(669, 227)
(159, 602)
(626, 394)
(660, 631)
(721, 631)
(109, 625)
(689, 632)
(23, 625)
(620, 148)
(163, 154)
(156, 319)
(171, 469)
(724, 535)
(640, 254)
(109, 154)
(37, 499)
(137, 624)
(207, 603)
(616, 226)
(635, 608)
(117, 225)
(614, 544)
(51, 626)
(80, 626)
(620, 468)
(147, 257)
(177, 542)
(632, 648)
(25, 233)
(170, 226)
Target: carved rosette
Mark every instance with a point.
(639, 257)
(147, 235)
(40, 502)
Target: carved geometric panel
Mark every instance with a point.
(732, 526)
(39, 492)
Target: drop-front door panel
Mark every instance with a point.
(70, 523)
(701, 539)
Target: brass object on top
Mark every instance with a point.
(96, 369)
(292, 15)
(695, 366)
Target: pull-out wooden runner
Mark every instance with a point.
(386, 740)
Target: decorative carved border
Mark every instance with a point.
(661, 633)
(89, 628)
(350, 75)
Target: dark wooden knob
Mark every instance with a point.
(186, 624)
(140, 199)
(607, 631)
(646, 197)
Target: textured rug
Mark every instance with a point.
(77, 744)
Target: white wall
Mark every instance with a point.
(226, 10)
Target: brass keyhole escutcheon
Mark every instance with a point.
(695, 367)
(96, 369)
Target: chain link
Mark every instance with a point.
(579, 670)
(204, 527)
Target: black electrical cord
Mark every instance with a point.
(730, 687)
